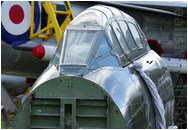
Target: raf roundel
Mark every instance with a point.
(16, 14)
(16, 20)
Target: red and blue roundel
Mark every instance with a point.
(16, 21)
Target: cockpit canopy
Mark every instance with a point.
(78, 46)
(99, 28)
(100, 16)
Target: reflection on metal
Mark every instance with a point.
(175, 65)
(49, 73)
(52, 22)
(130, 93)
(102, 88)
(156, 99)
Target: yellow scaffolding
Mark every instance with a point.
(52, 22)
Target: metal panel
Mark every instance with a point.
(45, 113)
(69, 102)
(91, 113)
(130, 94)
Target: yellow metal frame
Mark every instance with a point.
(52, 22)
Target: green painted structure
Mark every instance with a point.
(69, 102)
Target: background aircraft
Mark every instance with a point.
(165, 21)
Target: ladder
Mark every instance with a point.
(52, 23)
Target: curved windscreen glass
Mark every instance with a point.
(78, 46)
(57, 55)
(135, 34)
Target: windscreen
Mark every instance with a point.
(78, 46)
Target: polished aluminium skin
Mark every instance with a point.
(115, 40)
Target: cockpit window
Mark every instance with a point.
(103, 48)
(120, 37)
(115, 42)
(127, 34)
(56, 58)
(135, 34)
(78, 46)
